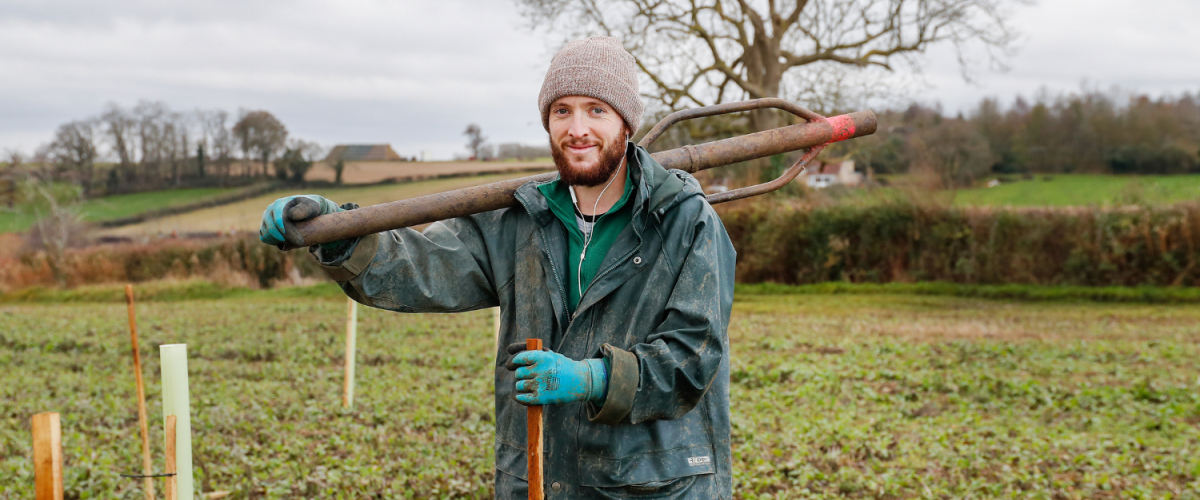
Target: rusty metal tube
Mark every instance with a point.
(497, 195)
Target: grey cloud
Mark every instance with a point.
(415, 73)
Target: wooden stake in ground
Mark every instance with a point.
(351, 333)
(533, 436)
(169, 448)
(147, 483)
(47, 457)
(496, 327)
(175, 400)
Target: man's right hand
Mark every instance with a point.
(278, 220)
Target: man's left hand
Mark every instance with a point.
(546, 377)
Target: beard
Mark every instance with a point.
(610, 160)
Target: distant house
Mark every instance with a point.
(823, 175)
(362, 152)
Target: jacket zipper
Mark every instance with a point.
(562, 292)
(605, 272)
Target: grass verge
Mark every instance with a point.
(1027, 293)
(182, 290)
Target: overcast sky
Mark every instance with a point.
(414, 73)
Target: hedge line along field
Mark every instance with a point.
(247, 215)
(834, 396)
(124, 205)
(903, 241)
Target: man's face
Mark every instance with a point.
(587, 139)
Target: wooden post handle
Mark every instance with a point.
(534, 438)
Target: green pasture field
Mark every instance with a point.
(1079, 190)
(125, 205)
(246, 215)
(852, 395)
(1084, 190)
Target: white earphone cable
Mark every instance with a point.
(587, 239)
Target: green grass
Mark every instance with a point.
(1040, 191)
(125, 205)
(1084, 190)
(834, 396)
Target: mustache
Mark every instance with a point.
(580, 142)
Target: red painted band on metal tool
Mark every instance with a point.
(843, 127)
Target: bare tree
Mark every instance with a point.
(260, 133)
(74, 150)
(150, 120)
(297, 159)
(475, 141)
(219, 139)
(14, 158)
(180, 125)
(700, 52)
(118, 126)
(57, 218)
(954, 150)
(8, 177)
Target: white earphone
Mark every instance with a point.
(587, 239)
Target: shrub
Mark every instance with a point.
(906, 242)
(241, 262)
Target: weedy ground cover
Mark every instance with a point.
(855, 396)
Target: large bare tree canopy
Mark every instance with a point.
(261, 133)
(701, 52)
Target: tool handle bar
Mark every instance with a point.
(497, 195)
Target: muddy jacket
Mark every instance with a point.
(658, 309)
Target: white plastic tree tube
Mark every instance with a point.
(175, 402)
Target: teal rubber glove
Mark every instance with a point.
(549, 378)
(278, 220)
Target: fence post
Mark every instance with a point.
(175, 400)
(169, 435)
(47, 457)
(496, 326)
(351, 333)
(147, 483)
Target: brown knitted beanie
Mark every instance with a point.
(596, 67)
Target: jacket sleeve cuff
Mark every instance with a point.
(622, 387)
(349, 263)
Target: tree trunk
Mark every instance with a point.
(764, 72)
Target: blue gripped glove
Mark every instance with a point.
(546, 377)
(277, 225)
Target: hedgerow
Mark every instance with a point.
(903, 241)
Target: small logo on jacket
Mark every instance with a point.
(694, 461)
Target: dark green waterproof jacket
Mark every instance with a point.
(658, 309)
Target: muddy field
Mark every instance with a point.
(854, 396)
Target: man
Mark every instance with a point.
(619, 266)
